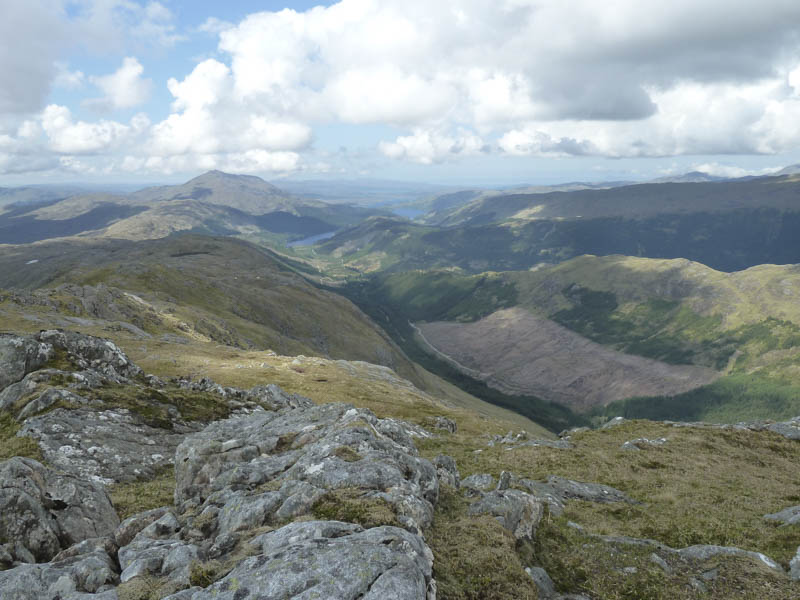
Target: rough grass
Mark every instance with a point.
(580, 563)
(703, 486)
(354, 506)
(475, 558)
(138, 496)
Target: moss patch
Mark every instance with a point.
(11, 445)
(346, 453)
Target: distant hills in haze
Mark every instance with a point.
(214, 203)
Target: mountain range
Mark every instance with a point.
(488, 402)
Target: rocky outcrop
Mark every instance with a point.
(315, 448)
(239, 481)
(19, 356)
(329, 559)
(43, 512)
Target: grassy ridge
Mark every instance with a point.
(727, 241)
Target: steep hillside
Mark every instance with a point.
(521, 353)
(744, 325)
(640, 201)
(201, 294)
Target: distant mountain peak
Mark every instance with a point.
(690, 177)
(216, 176)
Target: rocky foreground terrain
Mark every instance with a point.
(270, 495)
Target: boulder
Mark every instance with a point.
(517, 511)
(447, 470)
(446, 424)
(43, 512)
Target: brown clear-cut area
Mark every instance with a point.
(518, 352)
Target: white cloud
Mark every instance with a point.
(720, 170)
(457, 77)
(67, 136)
(124, 88)
(428, 147)
(67, 79)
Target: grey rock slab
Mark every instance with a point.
(544, 493)
(385, 563)
(545, 585)
(661, 563)
(244, 512)
(788, 516)
(788, 429)
(568, 489)
(45, 511)
(480, 482)
(131, 526)
(165, 527)
(107, 446)
(27, 386)
(163, 558)
(47, 399)
(300, 497)
(303, 531)
(20, 355)
(82, 574)
(794, 566)
(641, 443)
(704, 552)
(517, 511)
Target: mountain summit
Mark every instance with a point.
(247, 193)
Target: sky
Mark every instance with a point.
(472, 92)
